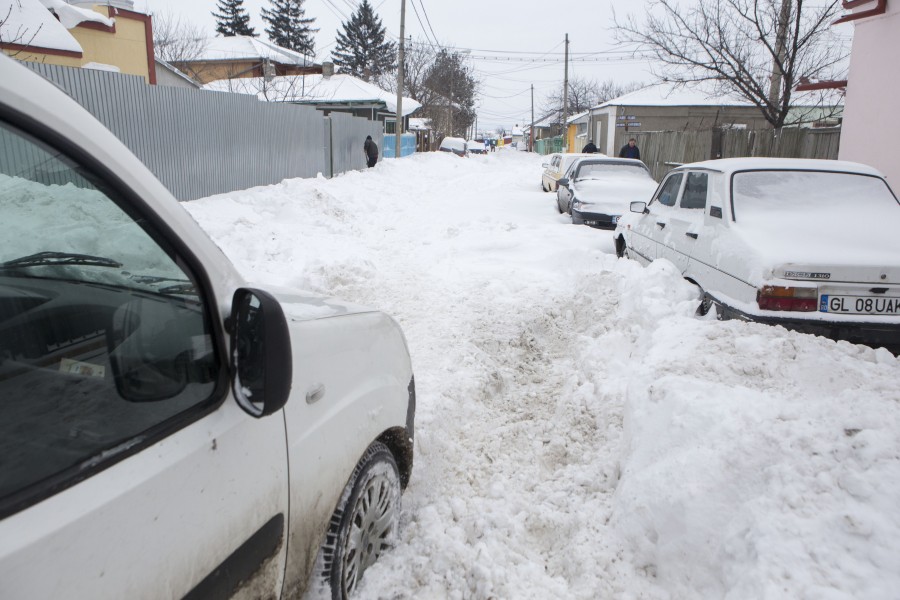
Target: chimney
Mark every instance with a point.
(327, 69)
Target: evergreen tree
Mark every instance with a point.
(232, 19)
(287, 26)
(361, 49)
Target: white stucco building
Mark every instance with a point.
(871, 130)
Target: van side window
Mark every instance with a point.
(104, 339)
(668, 193)
(694, 195)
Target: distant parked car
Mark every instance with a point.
(476, 147)
(457, 146)
(167, 430)
(556, 167)
(807, 244)
(596, 191)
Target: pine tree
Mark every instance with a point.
(232, 19)
(361, 49)
(287, 26)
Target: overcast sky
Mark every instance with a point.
(512, 44)
(499, 29)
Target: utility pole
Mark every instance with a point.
(565, 130)
(531, 137)
(780, 51)
(400, 57)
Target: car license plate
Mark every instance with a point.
(859, 305)
(592, 222)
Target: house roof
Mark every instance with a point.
(245, 47)
(44, 23)
(417, 124)
(314, 89)
(663, 94)
(160, 63)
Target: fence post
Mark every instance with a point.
(328, 149)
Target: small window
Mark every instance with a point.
(390, 126)
(694, 195)
(668, 193)
(104, 340)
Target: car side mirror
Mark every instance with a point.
(639, 207)
(545, 165)
(261, 362)
(564, 181)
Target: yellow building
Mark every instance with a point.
(108, 36)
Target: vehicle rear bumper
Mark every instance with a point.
(597, 220)
(867, 333)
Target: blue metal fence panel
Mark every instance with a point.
(407, 144)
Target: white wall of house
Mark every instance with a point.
(871, 130)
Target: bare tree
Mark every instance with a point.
(585, 93)
(176, 41)
(754, 49)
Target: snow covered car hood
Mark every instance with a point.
(618, 191)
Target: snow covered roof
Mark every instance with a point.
(678, 95)
(418, 124)
(582, 116)
(314, 89)
(45, 23)
(673, 95)
(245, 47)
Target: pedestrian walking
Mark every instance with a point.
(630, 150)
(371, 150)
(589, 148)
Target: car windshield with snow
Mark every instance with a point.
(166, 430)
(596, 191)
(808, 244)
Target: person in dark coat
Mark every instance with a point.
(589, 148)
(630, 150)
(371, 150)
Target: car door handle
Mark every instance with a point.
(661, 225)
(691, 235)
(315, 393)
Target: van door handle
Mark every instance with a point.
(691, 235)
(315, 393)
(661, 225)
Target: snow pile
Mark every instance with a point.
(579, 433)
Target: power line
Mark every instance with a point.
(425, 12)
(421, 24)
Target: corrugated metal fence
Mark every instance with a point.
(407, 144)
(661, 150)
(200, 143)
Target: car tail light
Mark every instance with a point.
(773, 297)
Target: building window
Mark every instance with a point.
(390, 125)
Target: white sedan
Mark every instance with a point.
(597, 190)
(166, 430)
(808, 244)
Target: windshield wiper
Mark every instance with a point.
(58, 258)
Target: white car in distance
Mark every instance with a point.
(167, 431)
(807, 244)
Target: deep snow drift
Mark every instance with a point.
(579, 433)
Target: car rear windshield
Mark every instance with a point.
(764, 195)
(602, 170)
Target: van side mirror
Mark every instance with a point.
(261, 361)
(639, 207)
(563, 181)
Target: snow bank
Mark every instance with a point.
(579, 433)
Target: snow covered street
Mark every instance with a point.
(580, 434)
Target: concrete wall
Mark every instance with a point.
(871, 129)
